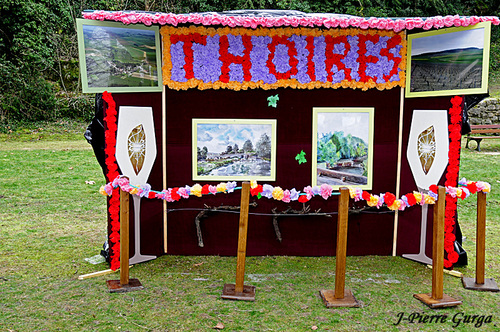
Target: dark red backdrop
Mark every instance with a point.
(369, 233)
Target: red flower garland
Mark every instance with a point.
(452, 179)
(110, 127)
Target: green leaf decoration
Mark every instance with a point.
(259, 196)
(301, 157)
(273, 101)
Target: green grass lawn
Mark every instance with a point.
(52, 218)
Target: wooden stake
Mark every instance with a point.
(124, 237)
(164, 161)
(238, 291)
(398, 172)
(341, 254)
(125, 284)
(480, 237)
(242, 237)
(438, 245)
(437, 299)
(480, 283)
(98, 273)
(340, 297)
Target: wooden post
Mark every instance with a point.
(124, 236)
(438, 245)
(437, 299)
(480, 283)
(164, 162)
(125, 284)
(398, 172)
(341, 254)
(242, 237)
(239, 291)
(340, 297)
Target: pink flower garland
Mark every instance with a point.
(315, 20)
(277, 193)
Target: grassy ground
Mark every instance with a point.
(52, 217)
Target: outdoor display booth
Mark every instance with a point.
(302, 104)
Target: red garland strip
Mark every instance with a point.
(110, 127)
(452, 180)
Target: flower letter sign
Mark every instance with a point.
(238, 58)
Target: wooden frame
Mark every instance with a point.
(214, 155)
(447, 62)
(136, 44)
(329, 164)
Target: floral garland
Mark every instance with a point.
(237, 59)
(112, 172)
(308, 20)
(452, 179)
(286, 196)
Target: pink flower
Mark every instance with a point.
(438, 22)
(108, 188)
(364, 24)
(163, 19)
(474, 20)
(344, 22)
(419, 22)
(294, 22)
(147, 19)
(326, 191)
(183, 192)
(286, 196)
(373, 22)
(390, 24)
(207, 20)
(428, 24)
(332, 23)
(355, 21)
(212, 189)
(483, 186)
(309, 192)
(410, 23)
(122, 181)
(457, 21)
(399, 25)
(448, 21)
(382, 24)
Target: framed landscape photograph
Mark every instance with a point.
(451, 61)
(342, 153)
(234, 149)
(115, 57)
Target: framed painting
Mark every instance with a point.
(342, 152)
(451, 61)
(115, 57)
(234, 149)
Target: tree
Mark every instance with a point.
(236, 148)
(202, 153)
(248, 146)
(264, 146)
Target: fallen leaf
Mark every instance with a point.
(219, 326)
(314, 327)
(199, 264)
(71, 168)
(89, 182)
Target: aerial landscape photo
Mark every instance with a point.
(448, 61)
(120, 57)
